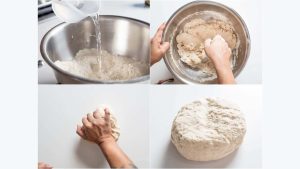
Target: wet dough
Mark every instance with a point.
(190, 41)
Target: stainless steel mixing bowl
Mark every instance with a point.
(176, 22)
(119, 35)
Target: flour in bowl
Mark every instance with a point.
(113, 67)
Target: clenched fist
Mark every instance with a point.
(95, 128)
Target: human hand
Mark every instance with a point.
(218, 51)
(158, 49)
(96, 128)
(42, 165)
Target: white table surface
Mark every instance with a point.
(61, 108)
(250, 11)
(129, 8)
(166, 101)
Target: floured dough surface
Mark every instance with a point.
(208, 129)
(190, 41)
(113, 121)
(113, 67)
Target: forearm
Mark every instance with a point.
(115, 156)
(225, 74)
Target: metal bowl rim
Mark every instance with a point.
(79, 78)
(197, 2)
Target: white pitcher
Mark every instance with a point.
(72, 11)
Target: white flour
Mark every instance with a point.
(113, 67)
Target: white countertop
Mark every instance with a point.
(129, 8)
(61, 108)
(250, 11)
(163, 153)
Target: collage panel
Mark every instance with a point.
(62, 108)
(206, 127)
(204, 42)
(94, 42)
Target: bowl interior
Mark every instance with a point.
(207, 11)
(119, 35)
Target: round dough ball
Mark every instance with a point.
(208, 129)
(113, 121)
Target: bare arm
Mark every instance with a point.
(225, 75)
(219, 52)
(98, 130)
(115, 156)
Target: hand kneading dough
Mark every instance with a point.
(113, 121)
(209, 129)
(190, 41)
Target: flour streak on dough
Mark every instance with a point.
(208, 129)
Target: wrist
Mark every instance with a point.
(154, 60)
(106, 141)
(221, 66)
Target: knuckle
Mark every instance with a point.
(90, 126)
(101, 123)
(95, 122)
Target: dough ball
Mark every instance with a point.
(208, 129)
(113, 121)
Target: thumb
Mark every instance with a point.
(165, 46)
(207, 43)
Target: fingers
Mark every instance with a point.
(93, 119)
(86, 123)
(80, 132)
(218, 38)
(96, 114)
(158, 35)
(42, 165)
(207, 43)
(107, 115)
(165, 46)
(90, 118)
(162, 26)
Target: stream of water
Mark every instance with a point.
(96, 21)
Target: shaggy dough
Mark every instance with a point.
(190, 41)
(113, 121)
(208, 129)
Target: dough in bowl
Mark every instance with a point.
(113, 121)
(190, 42)
(208, 129)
